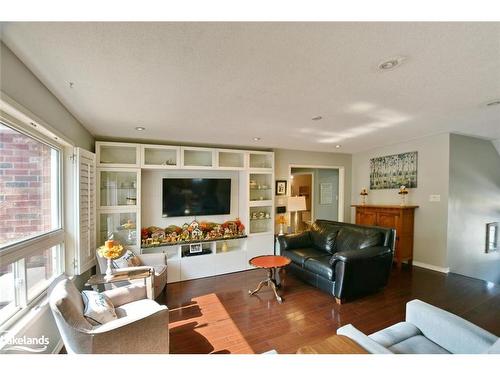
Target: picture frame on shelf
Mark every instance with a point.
(281, 186)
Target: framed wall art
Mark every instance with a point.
(393, 171)
(280, 187)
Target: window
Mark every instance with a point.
(31, 235)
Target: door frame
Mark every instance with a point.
(341, 170)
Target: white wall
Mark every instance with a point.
(151, 197)
(430, 244)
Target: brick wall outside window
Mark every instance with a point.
(25, 186)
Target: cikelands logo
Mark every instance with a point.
(24, 343)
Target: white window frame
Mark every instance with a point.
(17, 253)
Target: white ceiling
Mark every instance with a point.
(225, 83)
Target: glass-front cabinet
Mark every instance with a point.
(117, 154)
(261, 160)
(118, 226)
(160, 157)
(261, 187)
(118, 188)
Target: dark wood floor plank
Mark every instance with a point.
(216, 315)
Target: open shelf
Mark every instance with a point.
(207, 249)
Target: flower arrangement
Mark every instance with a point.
(363, 194)
(110, 250)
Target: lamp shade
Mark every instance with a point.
(296, 204)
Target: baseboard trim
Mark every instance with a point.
(431, 267)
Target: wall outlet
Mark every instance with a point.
(434, 198)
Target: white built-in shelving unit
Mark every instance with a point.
(119, 168)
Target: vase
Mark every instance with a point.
(282, 232)
(403, 199)
(109, 270)
(363, 200)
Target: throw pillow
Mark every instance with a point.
(129, 259)
(356, 239)
(97, 308)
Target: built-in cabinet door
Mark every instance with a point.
(387, 220)
(366, 218)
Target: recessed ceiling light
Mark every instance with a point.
(256, 138)
(493, 102)
(317, 118)
(338, 146)
(390, 63)
(140, 128)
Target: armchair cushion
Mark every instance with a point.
(352, 238)
(126, 294)
(98, 308)
(136, 308)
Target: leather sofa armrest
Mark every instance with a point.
(361, 254)
(362, 271)
(295, 241)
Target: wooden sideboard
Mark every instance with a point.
(400, 218)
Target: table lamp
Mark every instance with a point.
(296, 204)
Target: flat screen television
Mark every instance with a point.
(196, 196)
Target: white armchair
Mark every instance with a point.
(141, 327)
(426, 330)
(157, 261)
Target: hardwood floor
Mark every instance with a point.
(216, 314)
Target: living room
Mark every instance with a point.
(249, 188)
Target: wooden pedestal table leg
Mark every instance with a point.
(270, 283)
(259, 287)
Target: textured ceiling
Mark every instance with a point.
(225, 83)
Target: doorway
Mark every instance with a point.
(302, 186)
(322, 187)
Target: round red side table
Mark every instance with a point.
(272, 263)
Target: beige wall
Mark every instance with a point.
(430, 245)
(21, 85)
(474, 202)
(284, 158)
